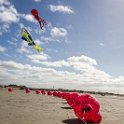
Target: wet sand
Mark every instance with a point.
(21, 108)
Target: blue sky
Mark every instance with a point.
(82, 44)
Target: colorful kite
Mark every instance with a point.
(41, 21)
(87, 108)
(27, 37)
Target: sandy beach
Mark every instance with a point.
(21, 108)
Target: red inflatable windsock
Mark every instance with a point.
(27, 90)
(41, 21)
(49, 93)
(43, 92)
(87, 108)
(10, 89)
(59, 94)
(54, 93)
(37, 91)
(64, 95)
(71, 98)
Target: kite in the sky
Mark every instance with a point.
(27, 37)
(41, 21)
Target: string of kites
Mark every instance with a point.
(85, 106)
(25, 34)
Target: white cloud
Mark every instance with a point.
(87, 66)
(82, 59)
(37, 0)
(38, 42)
(60, 63)
(38, 58)
(24, 48)
(58, 32)
(12, 43)
(83, 63)
(28, 17)
(101, 44)
(8, 14)
(77, 62)
(21, 25)
(61, 8)
(6, 2)
(11, 65)
(47, 77)
(4, 28)
(2, 49)
(47, 39)
(29, 29)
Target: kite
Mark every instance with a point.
(37, 91)
(27, 90)
(65, 95)
(43, 92)
(59, 94)
(10, 89)
(87, 108)
(71, 98)
(49, 93)
(27, 37)
(54, 93)
(41, 21)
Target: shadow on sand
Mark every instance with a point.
(75, 121)
(72, 121)
(66, 107)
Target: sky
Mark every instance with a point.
(83, 44)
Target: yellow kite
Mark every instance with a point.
(27, 37)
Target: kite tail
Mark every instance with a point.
(37, 48)
(40, 22)
(44, 22)
(41, 26)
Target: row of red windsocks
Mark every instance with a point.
(28, 91)
(85, 106)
